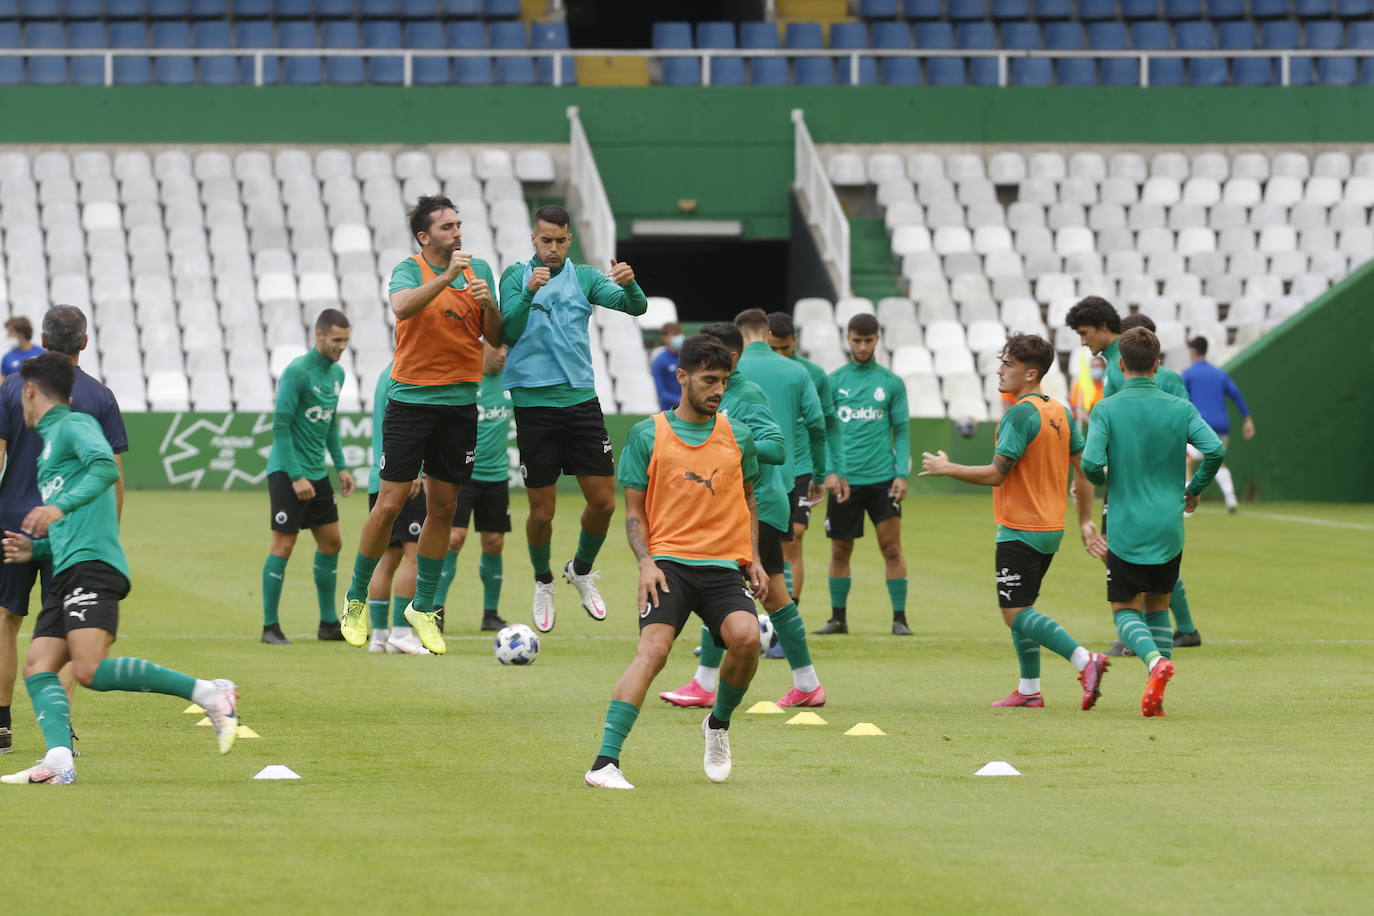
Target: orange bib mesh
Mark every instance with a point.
(695, 503)
(1034, 496)
(442, 343)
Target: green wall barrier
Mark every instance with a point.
(1310, 385)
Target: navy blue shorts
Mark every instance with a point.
(16, 584)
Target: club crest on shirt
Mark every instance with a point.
(879, 394)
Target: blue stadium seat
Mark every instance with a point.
(727, 71)
(1107, 36)
(1279, 35)
(339, 35)
(46, 71)
(215, 71)
(333, 9)
(1252, 71)
(715, 35)
(252, 9)
(124, 9)
(923, 9)
(804, 36)
(1337, 71)
(515, 71)
(33, 9)
(1324, 36)
(87, 71)
(417, 9)
(672, 35)
(815, 71)
(1330, 71)
(386, 71)
(945, 71)
(1139, 9)
(1268, 9)
(466, 36)
(1120, 71)
(1208, 71)
(460, 9)
(382, 34)
(173, 71)
(888, 35)
(1224, 9)
(1236, 36)
(1366, 71)
(934, 35)
(982, 71)
(507, 9)
(300, 71)
(681, 71)
(91, 9)
(1362, 35)
(169, 9)
(1064, 36)
(769, 71)
(470, 71)
(764, 35)
(1194, 36)
(1313, 9)
(873, 9)
(1008, 9)
(1094, 10)
(128, 35)
(44, 35)
(1053, 9)
(1113, 71)
(1182, 9)
(257, 33)
(966, 9)
(379, 9)
(898, 71)
(507, 36)
(427, 71)
(848, 36)
(1151, 36)
(1350, 8)
(549, 36)
(1031, 71)
(11, 68)
(294, 9)
(1166, 71)
(1075, 71)
(1020, 36)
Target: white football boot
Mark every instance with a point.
(587, 591)
(403, 641)
(717, 760)
(544, 612)
(608, 777)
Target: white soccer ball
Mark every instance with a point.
(766, 632)
(517, 645)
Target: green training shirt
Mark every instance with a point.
(305, 423)
(1111, 375)
(1170, 382)
(493, 431)
(633, 467)
(794, 401)
(870, 403)
(803, 463)
(745, 400)
(76, 473)
(406, 275)
(379, 397)
(1018, 428)
(1140, 433)
(516, 300)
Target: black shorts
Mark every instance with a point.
(290, 514)
(801, 501)
(844, 521)
(712, 592)
(85, 594)
(406, 528)
(1020, 570)
(16, 584)
(441, 438)
(562, 440)
(1126, 580)
(487, 502)
(770, 548)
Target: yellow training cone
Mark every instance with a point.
(806, 718)
(193, 709)
(246, 732)
(865, 728)
(765, 708)
(204, 721)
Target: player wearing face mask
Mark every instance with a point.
(664, 367)
(22, 347)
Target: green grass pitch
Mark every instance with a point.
(454, 785)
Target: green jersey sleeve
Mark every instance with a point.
(749, 456)
(601, 290)
(1020, 424)
(1095, 449)
(899, 415)
(334, 444)
(834, 450)
(97, 459)
(769, 445)
(814, 420)
(288, 404)
(1203, 438)
(634, 457)
(1075, 434)
(405, 275)
(515, 302)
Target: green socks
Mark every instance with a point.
(139, 675)
(620, 718)
(711, 654)
(1158, 622)
(1046, 632)
(539, 558)
(727, 698)
(1132, 630)
(273, 577)
(588, 546)
(362, 576)
(376, 612)
(787, 623)
(427, 574)
(1027, 654)
(839, 594)
(446, 578)
(326, 584)
(1183, 618)
(398, 611)
(490, 569)
(896, 590)
(787, 576)
(50, 706)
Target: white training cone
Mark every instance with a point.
(277, 771)
(998, 768)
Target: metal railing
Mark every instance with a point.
(822, 206)
(851, 74)
(595, 220)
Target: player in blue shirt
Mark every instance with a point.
(64, 331)
(664, 367)
(1208, 388)
(22, 346)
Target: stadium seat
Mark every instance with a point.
(672, 35)
(878, 9)
(1052, 9)
(982, 71)
(804, 36)
(815, 71)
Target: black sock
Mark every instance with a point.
(546, 578)
(795, 600)
(837, 613)
(488, 615)
(899, 616)
(713, 722)
(4, 717)
(580, 568)
(602, 761)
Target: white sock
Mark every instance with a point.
(804, 678)
(1080, 658)
(204, 693)
(1030, 686)
(379, 635)
(708, 678)
(58, 758)
(400, 632)
(1158, 659)
(1228, 486)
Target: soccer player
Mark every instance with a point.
(782, 338)
(80, 615)
(1140, 434)
(22, 347)
(485, 499)
(444, 305)
(304, 426)
(397, 567)
(1098, 325)
(871, 405)
(546, 303)
(746, 402)
(1036, 444)
(64, 331)
(1208, 388)
(691, 519)
(664, 367)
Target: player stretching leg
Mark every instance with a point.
(76, 475)
(1035, 445)
(871, 405)
(1140, 434)
(691, 520)
(546, 303)
(442, 314)
(744, 401)
(305, 426)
